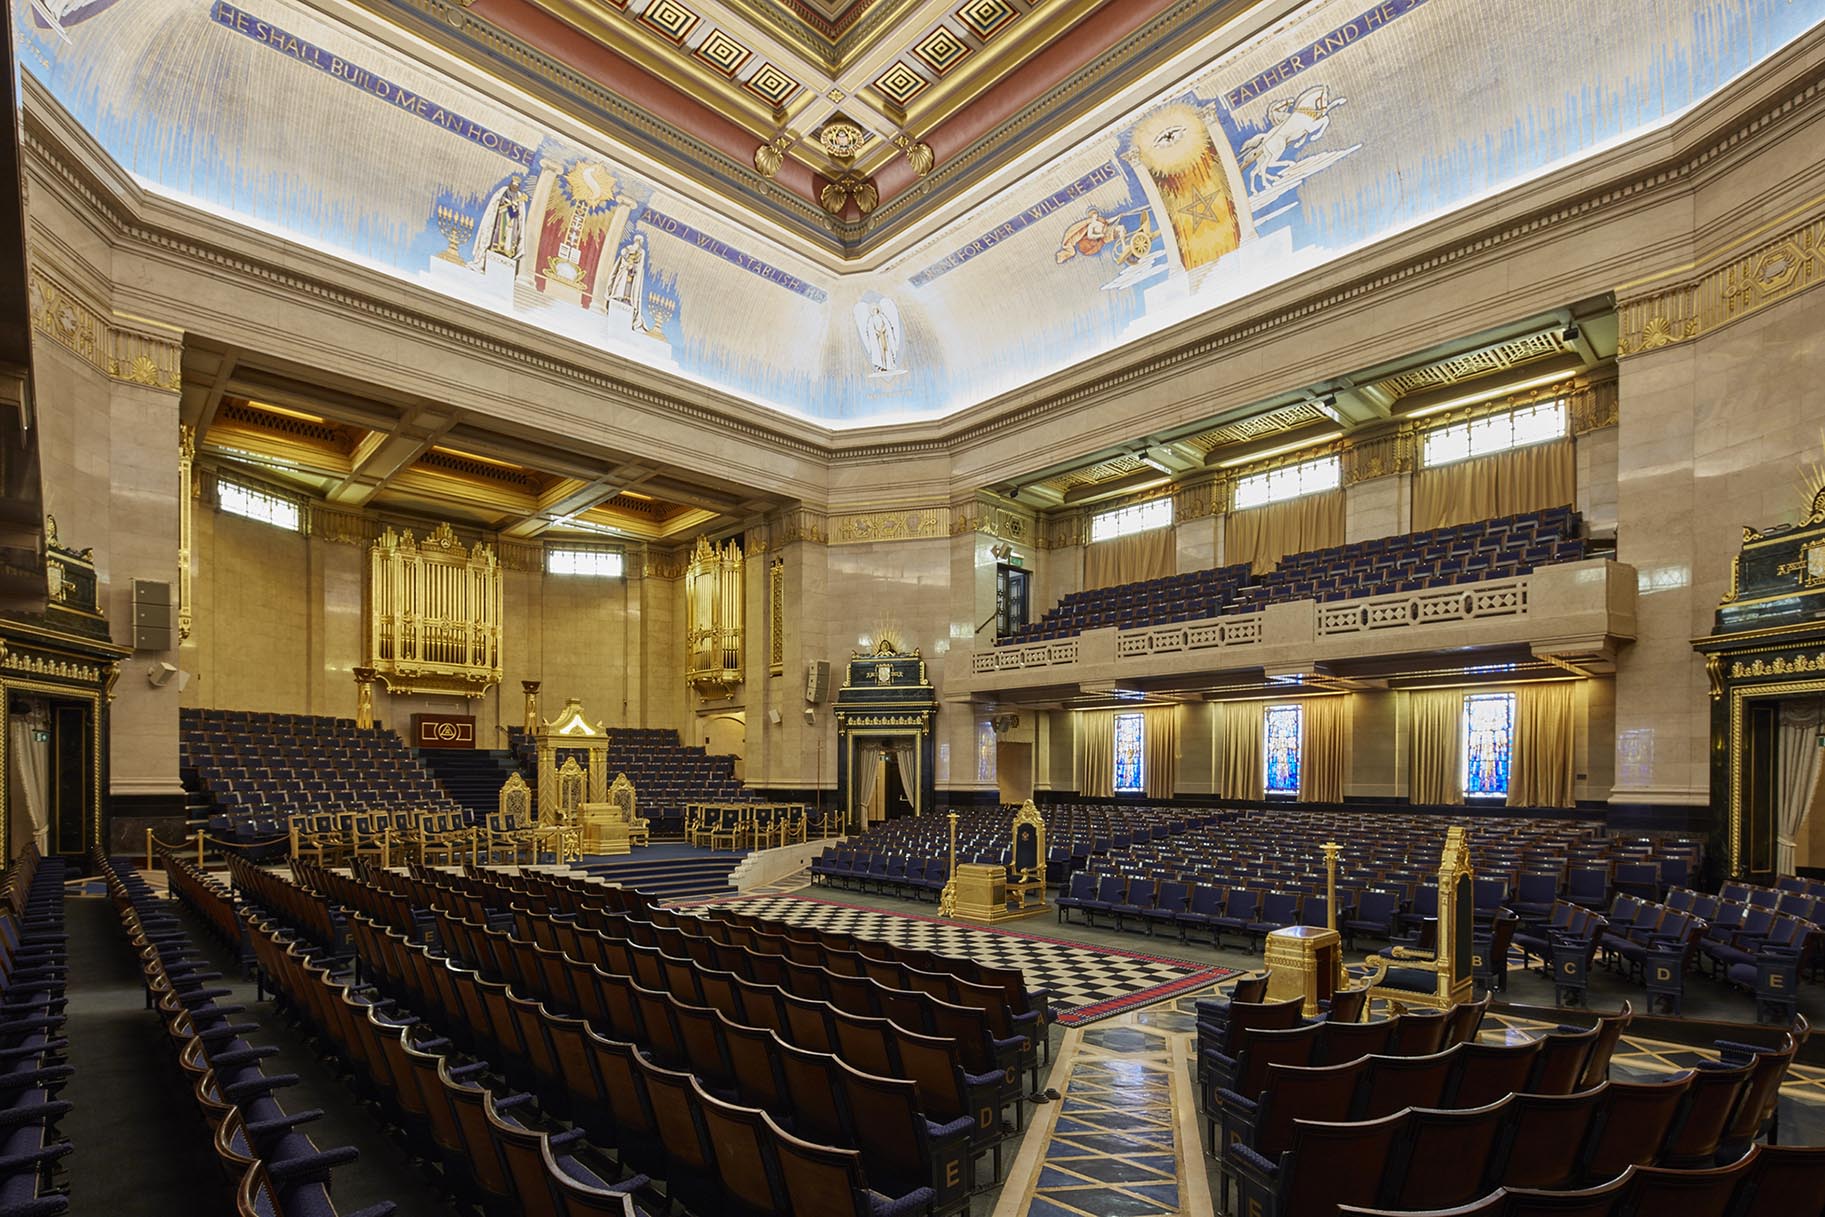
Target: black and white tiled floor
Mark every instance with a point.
(1087, 983)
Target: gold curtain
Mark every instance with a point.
(1262, 536)
(1325, 749)
(1239, 764)
(1534, 478)
(1161, 727)
(1152, 554)
(1096, 753)
(1541, 770)
(1436, 773)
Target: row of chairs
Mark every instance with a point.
(273, 1168)
(491, 1149)
(621, 1008)
(575, 903)
(33, 1067)
(818, 1096)
(1420, 1160)
(950, 1050)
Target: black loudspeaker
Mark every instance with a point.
(817, 681)
(153, 615)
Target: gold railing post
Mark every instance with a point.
(1331, 850)
(148, 850)
(199, 849)
(947, 899)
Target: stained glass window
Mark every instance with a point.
(1488, 743)
(1280, 727)
(1130, 754)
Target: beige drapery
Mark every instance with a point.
(1239, 758)
(1161, 727)
(1534, 478)
(1324, 751)
(1152, 554)
(1262, 536)
(1540, 772)
(1797, 762)
(1096, 751)
(868, 777)
(1436, 773)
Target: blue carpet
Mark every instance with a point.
(666, 851)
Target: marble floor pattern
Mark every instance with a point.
(1124, 1140)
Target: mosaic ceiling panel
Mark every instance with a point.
(1343, 123)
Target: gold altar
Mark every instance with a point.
(982, 892)
(1304, 961)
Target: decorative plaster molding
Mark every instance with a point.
(978, 425)
(905, 524)
(125, 349)
(1679, 312)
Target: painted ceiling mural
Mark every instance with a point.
(1339, 125)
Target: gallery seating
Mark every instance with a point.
(259, 769)
(1487, 549)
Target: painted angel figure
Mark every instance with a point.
(878, 322)
(503, 227)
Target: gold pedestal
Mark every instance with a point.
(982, 895)
(1304, 961)
(604, 829)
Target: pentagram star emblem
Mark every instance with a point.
(1201, 209)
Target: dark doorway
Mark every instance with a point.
(897, 803)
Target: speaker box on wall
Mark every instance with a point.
(152, 615)
(817, 681)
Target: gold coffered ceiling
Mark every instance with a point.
(732, 94)
(354, 451)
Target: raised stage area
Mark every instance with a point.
(666, 774)
(258, 769)
(668, 872)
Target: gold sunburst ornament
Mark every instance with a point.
(1812, 484)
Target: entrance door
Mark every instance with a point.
(73, 776)
(894, 794)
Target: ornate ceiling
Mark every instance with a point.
(835, 118)
(650, 178)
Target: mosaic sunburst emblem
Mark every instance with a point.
(900, 84)
(722, 53)
(941, 50)
(986, 18)
(670, 19)
(772, 85)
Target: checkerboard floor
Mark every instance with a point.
(1087, 983)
